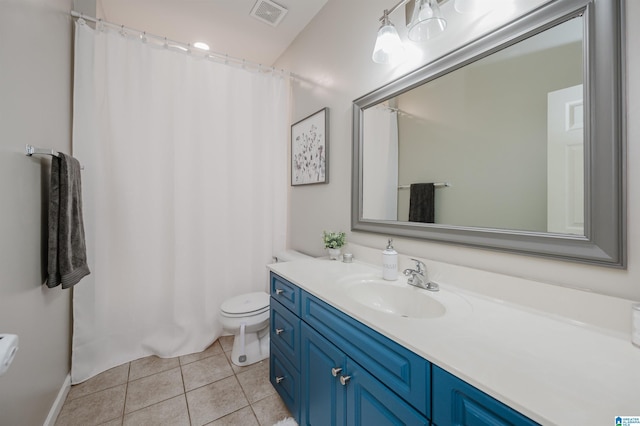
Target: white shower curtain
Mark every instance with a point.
(380, 162)
(184, 188)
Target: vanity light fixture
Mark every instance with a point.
(426, 22)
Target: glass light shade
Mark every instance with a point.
(388, 46)
(427, 21)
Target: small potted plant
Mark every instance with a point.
(333, 242)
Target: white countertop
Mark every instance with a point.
(553, 370)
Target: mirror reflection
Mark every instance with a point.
(497, 143)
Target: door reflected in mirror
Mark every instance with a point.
(505, 133)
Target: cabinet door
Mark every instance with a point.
(369, 402)
(457, 403)
(323, 397)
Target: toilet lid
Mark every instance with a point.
(250, 303)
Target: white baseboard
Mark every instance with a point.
(59, 402)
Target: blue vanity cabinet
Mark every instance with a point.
(456, 403)
(330, 369)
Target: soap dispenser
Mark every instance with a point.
(390, 263)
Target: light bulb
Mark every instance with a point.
(389, 47)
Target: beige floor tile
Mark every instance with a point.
(152, 389)
(255, 382)
(215, 396)
(147, 366)
(172, 412)
(270, 410)
(214, 349)
(205, 371)
(211, 402)
(110, 378)
(242, 417)
(226, 342)
(93, 409)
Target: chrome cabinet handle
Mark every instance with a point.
(344, 380)
(279, 291)
(279, 379)
(335, 371)
(279, 331)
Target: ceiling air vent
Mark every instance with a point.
(268, 12)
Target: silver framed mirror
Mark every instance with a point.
(512, 142)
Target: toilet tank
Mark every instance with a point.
(290, 255)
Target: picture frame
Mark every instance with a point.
(310, 149)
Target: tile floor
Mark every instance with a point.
(192, 390)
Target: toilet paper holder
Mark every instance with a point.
(8, 349)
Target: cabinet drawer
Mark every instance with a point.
(286, 381)
(285, 332)
(286, 293)
(456, 402)
(404, 372)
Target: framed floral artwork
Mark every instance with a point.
(309, 149)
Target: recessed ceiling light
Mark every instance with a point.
(201, 45)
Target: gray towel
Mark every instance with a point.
(421, 203)
(67, 249)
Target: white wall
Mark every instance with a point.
(35, 108)
(333, 54)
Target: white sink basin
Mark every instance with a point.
(402, 300)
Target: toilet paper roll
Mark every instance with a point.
(635, 324)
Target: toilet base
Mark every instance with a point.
(256, 348)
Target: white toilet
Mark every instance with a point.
(247, 317)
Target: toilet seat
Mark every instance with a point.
(246, 305)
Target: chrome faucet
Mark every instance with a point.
(418, 277)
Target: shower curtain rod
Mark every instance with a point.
(188, 48)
